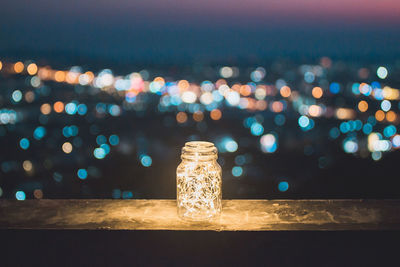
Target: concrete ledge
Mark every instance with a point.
(237, 215)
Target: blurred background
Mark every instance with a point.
(300, 97)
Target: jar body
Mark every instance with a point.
(199, 194)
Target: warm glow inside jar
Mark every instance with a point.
(199, 181)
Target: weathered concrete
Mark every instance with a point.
(237, 215)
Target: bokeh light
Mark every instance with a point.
(18, 67)
(268, 143)
(99, 153)
(362, 106)
(67, 147)
(215, 114)
(181, 117)
(17, 96)
(317, 92)
(58, 106)
(24, 143)
(146, 160)
(283, 186)
(382, 72)
(45, 109)
(20, 195)
(82, 174)
(32, 69)
(285, 91)
(237, 171)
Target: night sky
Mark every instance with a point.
(209, 31)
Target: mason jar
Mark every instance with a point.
(198, 182)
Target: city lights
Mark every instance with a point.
(67, 108)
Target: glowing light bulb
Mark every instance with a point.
(199, 181)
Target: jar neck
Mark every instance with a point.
(199, 151)
(199, 159)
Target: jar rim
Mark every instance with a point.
(199, 150)
(199, 144)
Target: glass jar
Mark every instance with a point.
(198, 182)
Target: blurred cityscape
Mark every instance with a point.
(283, 130)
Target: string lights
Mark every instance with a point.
(199, 182)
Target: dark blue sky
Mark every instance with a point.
(181, 31)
